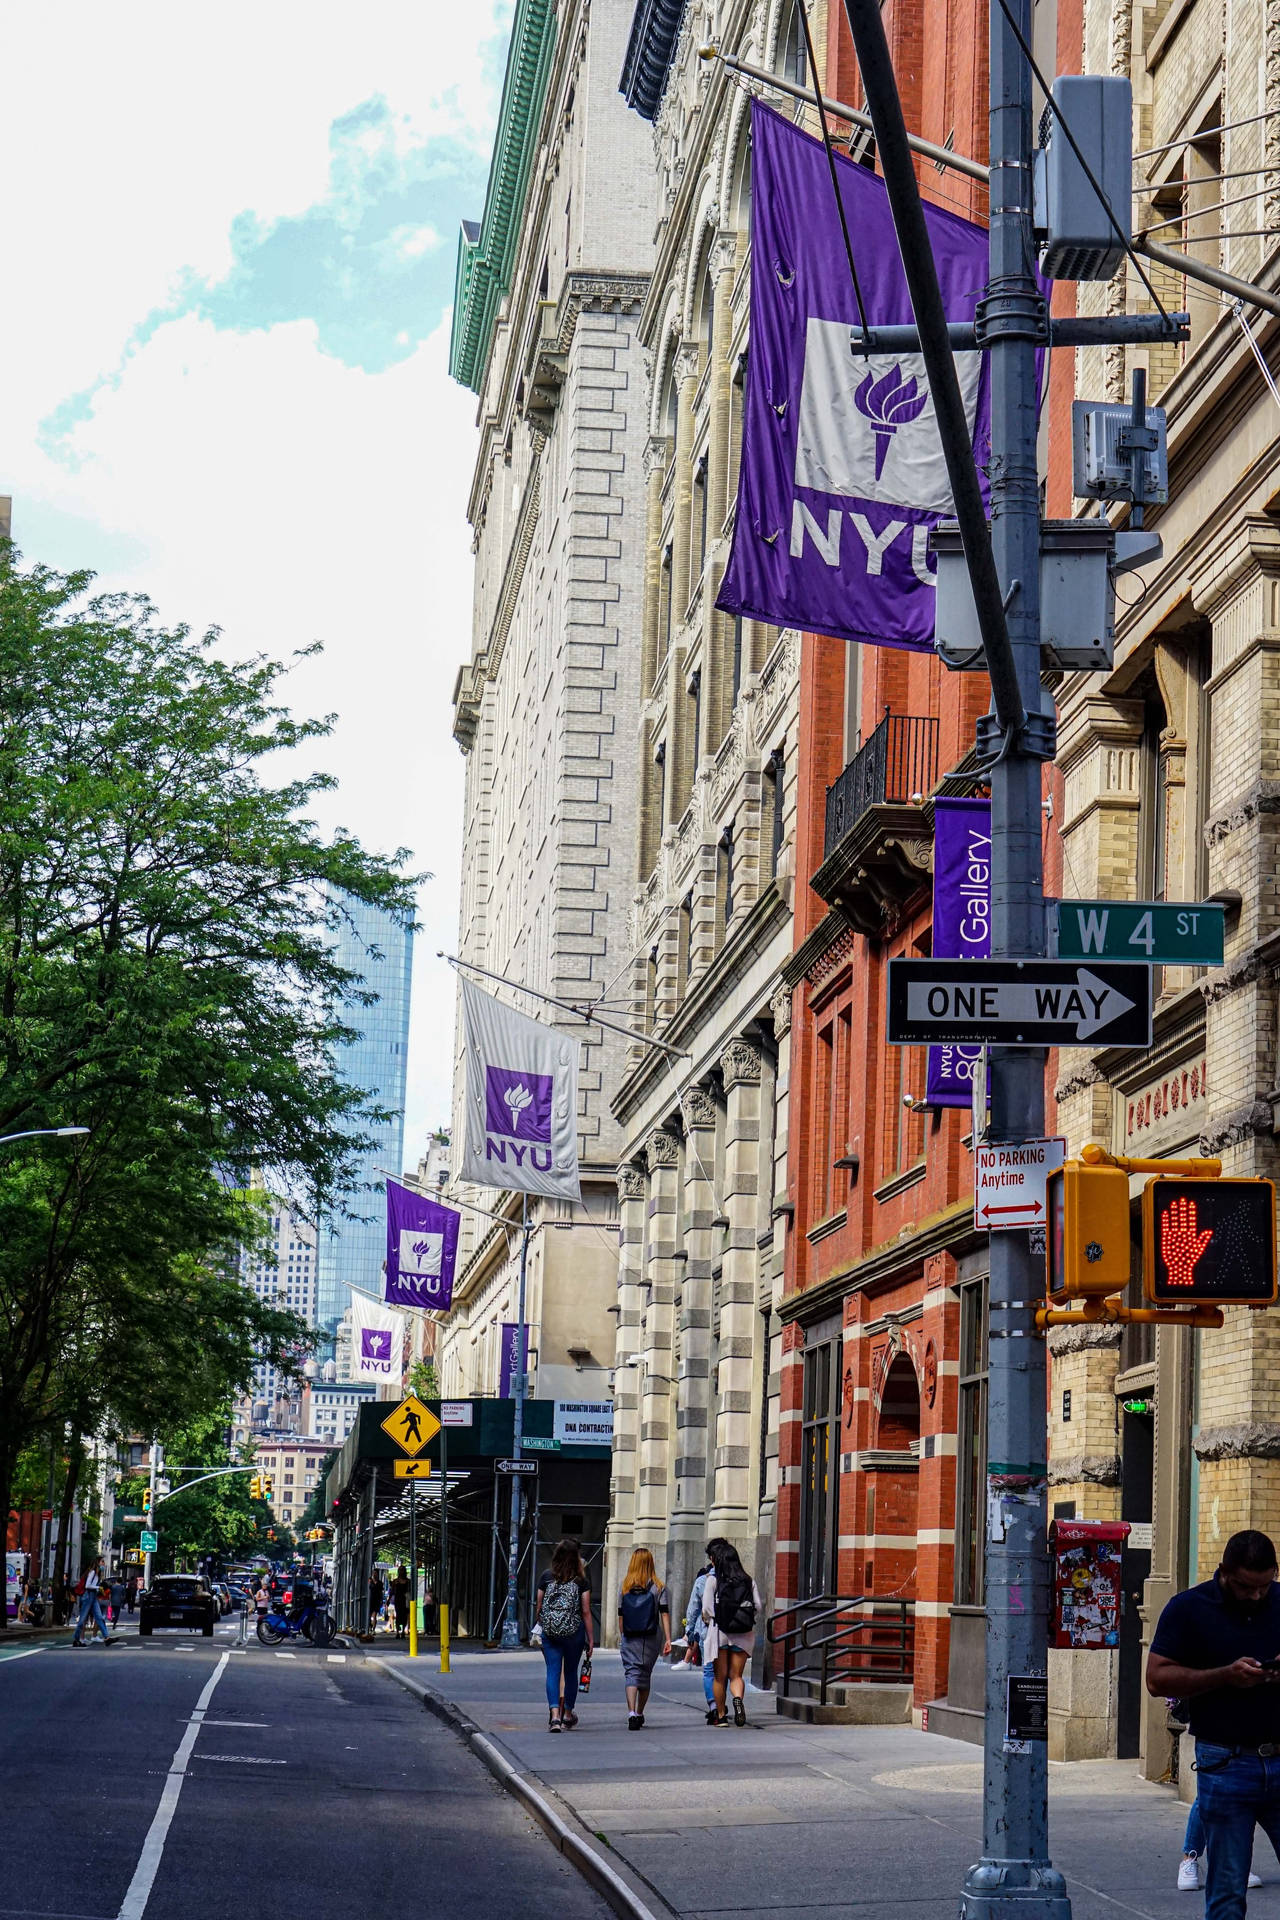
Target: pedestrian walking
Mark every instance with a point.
(117, 1600)
(1217, 1648)
(400, 1600)
(731, 1605)
(262, 1600)
(131, 1592)
(375, 1599)
(1193, 1854)
(695, 1633)
(91, 1605)
(644, 1626)
(562, 1609)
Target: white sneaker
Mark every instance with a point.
(1189, 1874)
(1255, 1879)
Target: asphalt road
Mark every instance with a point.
(308, 1783)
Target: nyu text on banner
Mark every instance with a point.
(961, 926)
(521, 1128)
(422, 1250)
(377, 1341)
(842, 472)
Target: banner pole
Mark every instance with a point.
(413, 1569)
(511, 1621)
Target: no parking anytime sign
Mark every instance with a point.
(1009, 1183)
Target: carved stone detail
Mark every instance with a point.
(661, 1149)
(1076, 1339)
(631, 1182)
(780, 1007)
(1098, 1469)
(1245, 1123)
(699, 1107)
(1253, 1440)
(740, 1063)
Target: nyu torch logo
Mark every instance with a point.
(375, 1349)
(421, 1260)
(889, 402)
(518, 1111)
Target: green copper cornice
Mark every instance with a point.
(486, 253)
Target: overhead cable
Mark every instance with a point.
(1207, 133)
(831, 164)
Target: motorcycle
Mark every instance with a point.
(315, 1624)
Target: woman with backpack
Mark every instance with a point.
(563, 1611)
(731, 1605)
(644, 1625)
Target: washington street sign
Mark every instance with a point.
(1172, 934)
(1020, 1003)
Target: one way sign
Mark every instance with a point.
(1028, 1003)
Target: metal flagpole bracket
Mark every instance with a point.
(1012, 313)
(1037, 736)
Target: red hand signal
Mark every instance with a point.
(1180, 1245)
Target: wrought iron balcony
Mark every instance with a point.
(878, 851)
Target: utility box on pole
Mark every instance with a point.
(1079, 238)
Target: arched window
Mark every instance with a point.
(792, 62)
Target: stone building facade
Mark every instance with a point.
(701, 1102)
(1170, 769)
(549, 290)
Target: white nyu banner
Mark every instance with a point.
(521, 1101)
(377, 1341)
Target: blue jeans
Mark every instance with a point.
(1235, 1793)
(1193, 1839)
(91, 1611)
(563, 1656)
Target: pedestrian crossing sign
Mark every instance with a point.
(413, 1469)
(411, 1425)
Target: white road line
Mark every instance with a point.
(23, 1653)
(286, 1656)
(237, 1723)
(144, 1874)
(335, 1659)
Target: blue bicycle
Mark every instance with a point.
(315, 1624)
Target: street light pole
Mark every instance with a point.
(511, 1620)
(42, 1133)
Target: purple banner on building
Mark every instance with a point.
(961, 926)
(842, 471)
(509, 1359)
(422, 1250)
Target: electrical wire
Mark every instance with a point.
(1237, 308)
(1074, 144)
(1207, 133)
(1198, 213)
(1206, 179)
(831, 163)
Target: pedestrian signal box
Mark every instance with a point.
(1088, 1231)
(1209, 1241)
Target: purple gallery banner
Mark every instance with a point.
(422, 1250)
(842, 472)
(509, 1359)
(961, 926)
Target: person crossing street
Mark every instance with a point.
(91, 1606)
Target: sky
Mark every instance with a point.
(230, 246)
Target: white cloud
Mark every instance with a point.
(245, 478)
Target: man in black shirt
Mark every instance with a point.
(1217, 1648)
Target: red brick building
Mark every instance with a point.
(882, 1446)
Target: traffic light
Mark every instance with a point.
(146, 1500)
(1088, 1231)
(1211, 1242)
(268, 1485)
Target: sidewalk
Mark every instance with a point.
(843, 1823)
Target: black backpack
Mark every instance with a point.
(639, 1610)
(735, 1607)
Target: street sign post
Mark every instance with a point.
(515, 1466)
(411, 1425)
(1009, 1183)
(1020, 1003)
(1164, 933)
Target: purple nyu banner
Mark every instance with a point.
(509, 1357)
(842, 472)
(961, 926)
(422, 1250)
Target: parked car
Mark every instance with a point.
(177, 1600)
(223, 1594)
(240, 1596)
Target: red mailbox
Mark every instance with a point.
(1086, 1581)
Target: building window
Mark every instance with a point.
(685, 942)
(737, 661)
(775, 768)
(819, 1442)
(699, 518)
(971, 1446)
(724, 877)
(793, 63)
(664, 600)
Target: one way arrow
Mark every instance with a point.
(1108, 1004)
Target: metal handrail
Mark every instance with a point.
(897, 762)
(842, 1653)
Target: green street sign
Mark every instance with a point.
(1179, 933)
(149, 1542)
(535, 1443)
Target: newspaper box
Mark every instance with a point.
(1086, 1581)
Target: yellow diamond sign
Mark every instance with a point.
(411, 1425)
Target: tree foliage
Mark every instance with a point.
(167, 979)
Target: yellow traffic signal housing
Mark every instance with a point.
(1088, 1243)
(146, 1499)
(1211, 1242)
(268, 1486)
(255, 1487)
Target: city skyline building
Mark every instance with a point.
(351, 1249)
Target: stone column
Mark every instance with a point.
(731, 1506)
(681, 749)
(689, 1515)
(655, 1488)
(656, 455)
(626, 1405)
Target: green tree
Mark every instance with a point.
(167, 979)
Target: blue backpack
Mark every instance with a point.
(639, 1610)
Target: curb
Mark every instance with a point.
(561, 1826)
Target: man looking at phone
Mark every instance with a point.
(1216, 1648)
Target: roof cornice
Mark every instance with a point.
(485, 257)
(655, 28)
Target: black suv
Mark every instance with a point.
(177, 1600)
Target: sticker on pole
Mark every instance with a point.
(1009, 1182)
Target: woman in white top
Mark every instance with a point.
(731, 1606)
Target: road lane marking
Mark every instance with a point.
(237, 1723)
(240, 1759)
(286, 1656)
(335, 1659)
(23, 1653)
(144, 1874)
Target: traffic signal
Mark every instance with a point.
(268, 1485)
(1211, 1242)
(255, 1486)
(146, 1500)
(1088, 1231)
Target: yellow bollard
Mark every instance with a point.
(444, 1638)
(413, 1631)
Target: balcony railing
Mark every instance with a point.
(899, 761)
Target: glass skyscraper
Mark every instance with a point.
(377, 1062)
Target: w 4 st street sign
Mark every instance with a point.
(1177, 933)
(1020, 1003)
